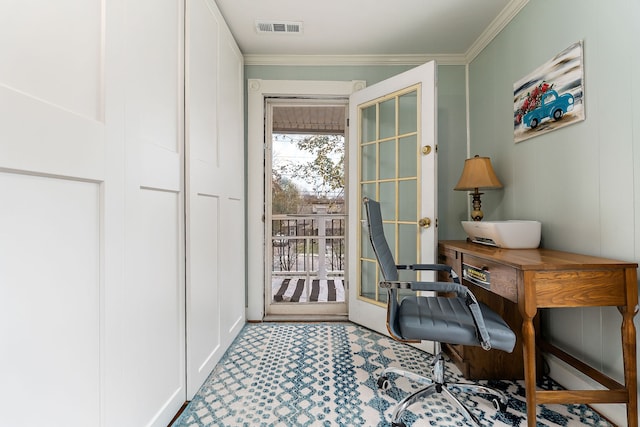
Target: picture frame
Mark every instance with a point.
(551, 96)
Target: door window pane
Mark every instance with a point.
(368, 124)
(368, 281)
(388, 200)
(388, 119)
(407, 200)
(390, 235)
(368, 190)
(388, 159)
(408, 157)
(383, 295)
(366, 248)
(368, 163)
(408, 244)
(408, 116)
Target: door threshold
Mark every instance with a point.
(306, 318)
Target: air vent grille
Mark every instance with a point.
(279, 27)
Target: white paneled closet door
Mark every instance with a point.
(215, 190)
(145, 321)
(52, 183)
(91, 220)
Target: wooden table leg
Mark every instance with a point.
(529, 349)
(629, 360)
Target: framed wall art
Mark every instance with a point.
(550, 97)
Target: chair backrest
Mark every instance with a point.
(378, 241)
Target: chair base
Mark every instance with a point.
(437, 385)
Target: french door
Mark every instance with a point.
(392, 158)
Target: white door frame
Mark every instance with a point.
(305, 309)
(257, 91)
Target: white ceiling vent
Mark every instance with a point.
(279, 27)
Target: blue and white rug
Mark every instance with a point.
(324, 374)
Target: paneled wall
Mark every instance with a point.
(94, 172)
(215, 197)
(52, 182)
(145, 314)
(581, 181)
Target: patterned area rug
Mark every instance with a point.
(324, 374)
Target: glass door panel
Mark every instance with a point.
(387, 199)
(369, 162)
(408, 157)
(408, 113)
(367, 190)
(387, 123)
(389, 174)
(388, 159)
(368, 276)
(369, 124)
(407, 203)
(408, 244)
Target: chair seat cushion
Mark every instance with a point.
(449, 320)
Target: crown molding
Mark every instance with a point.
(497, 25)
(337, 60)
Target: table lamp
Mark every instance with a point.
(477, 175)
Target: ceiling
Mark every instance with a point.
(356, 28)
(309, 119)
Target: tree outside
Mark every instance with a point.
(314, 165)
(307, 179)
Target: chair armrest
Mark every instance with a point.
(431, 267)
(478, 319)
(426, 286)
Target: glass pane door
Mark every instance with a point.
(391, 159)
(388, 172)
(305, 219)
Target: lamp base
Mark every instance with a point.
(476, 214)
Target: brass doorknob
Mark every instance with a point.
(424, 222)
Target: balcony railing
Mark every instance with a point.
(311, 247)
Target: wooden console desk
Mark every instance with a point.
(541, 278)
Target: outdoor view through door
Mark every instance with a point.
(307, 207)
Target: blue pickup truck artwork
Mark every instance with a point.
(552, 106)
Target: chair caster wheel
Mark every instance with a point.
(383, 383)
(398, 424)
(497, 403)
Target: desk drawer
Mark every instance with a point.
(500, 279)
(450, 258)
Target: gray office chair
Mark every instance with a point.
(459, 319)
